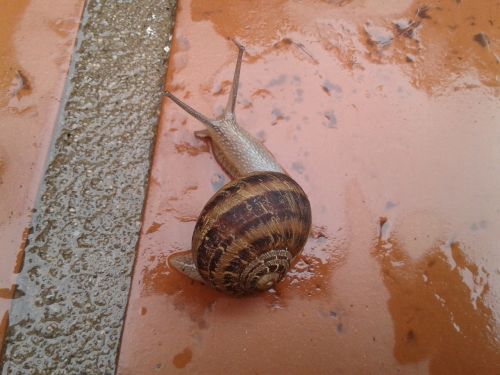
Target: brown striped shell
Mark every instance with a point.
(249, 232)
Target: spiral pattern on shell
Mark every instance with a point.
(249, 232)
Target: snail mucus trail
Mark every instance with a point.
(251, 230)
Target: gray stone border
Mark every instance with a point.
(79, 261)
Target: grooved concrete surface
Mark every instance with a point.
(77, 269)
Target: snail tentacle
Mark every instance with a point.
(231, 102)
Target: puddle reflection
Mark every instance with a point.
(440, 310)
(309, 277)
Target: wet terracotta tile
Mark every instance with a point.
(36, 41)
(378, 111)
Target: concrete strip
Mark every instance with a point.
(78, 265)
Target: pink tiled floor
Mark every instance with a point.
(387, 115)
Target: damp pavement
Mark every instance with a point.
(36, 42)
(386, 114)
(71, 291)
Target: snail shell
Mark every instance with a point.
(250, 231)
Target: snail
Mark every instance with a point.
(251, 230)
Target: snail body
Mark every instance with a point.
(251, 230)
